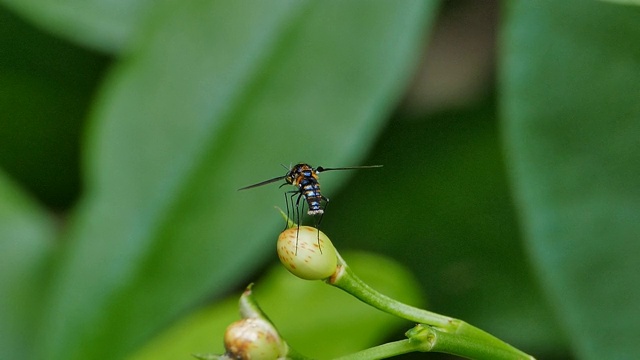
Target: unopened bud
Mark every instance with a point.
(307, 253)
(253, 339)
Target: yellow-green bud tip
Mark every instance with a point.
(253, 339)
(306, 253)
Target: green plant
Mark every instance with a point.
(126, 128)
(307, 253)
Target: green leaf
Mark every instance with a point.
(216, 96)
(315, 319)
(625, 2)
(571, 85)
(200, 332)
(46, 86)
(106, 25)
(26, 241)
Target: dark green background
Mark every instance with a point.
(123, 139)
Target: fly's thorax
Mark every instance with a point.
(300, 175)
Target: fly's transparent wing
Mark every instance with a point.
(279, 178)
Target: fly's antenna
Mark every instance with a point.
(321, 169)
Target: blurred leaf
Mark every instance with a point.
(625, 2)
(105, 25)
(26, 239)
(441, 205)
(315, 319)
(198, 333)
(216, 96)
(46, 87)
(572, 123)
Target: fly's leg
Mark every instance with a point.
(296, 211)
(286, 201)
(300, 196)
(326, 202)
(296, 214)
(288, 197)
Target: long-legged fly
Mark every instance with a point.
(305, 178)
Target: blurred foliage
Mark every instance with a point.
(47, 86)
(571, 126)
(334, 322)
(450, 220)
(119, 215)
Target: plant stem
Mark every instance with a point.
(383, 351)
(454, 336)
(434, 340)
(349, 282)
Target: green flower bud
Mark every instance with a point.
(253, 339)
(307, 254)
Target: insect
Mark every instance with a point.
(305, 178)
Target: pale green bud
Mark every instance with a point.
(253, 339)
(306, 253)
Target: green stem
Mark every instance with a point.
(464, 334)
(424, 338)
(347, 280)
(384, 351)
(434, 340)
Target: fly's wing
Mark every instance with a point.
(318, 169)
(321, 169)
(279, 178)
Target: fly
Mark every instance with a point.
(305, 178)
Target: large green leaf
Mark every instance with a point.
(105, 25)
(626, 2)
(215, 96)
(26, 241)
(46, 86)
(571, 85)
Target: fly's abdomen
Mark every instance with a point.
(311, 192)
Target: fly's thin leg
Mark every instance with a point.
(296, 214)
(286, 200)
(300, 196)
(326, 202)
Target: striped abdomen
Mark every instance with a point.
(310, 189)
